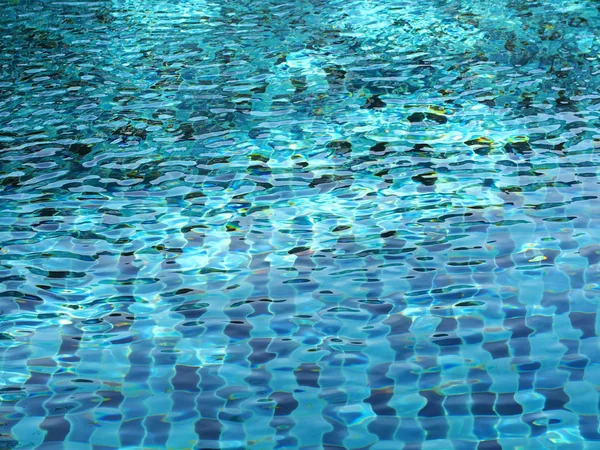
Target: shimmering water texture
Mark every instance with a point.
(342, 224)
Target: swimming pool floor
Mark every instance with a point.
(306, 225)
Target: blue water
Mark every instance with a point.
(306, 225)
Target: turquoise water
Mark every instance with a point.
(305, 225)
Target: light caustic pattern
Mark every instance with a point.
(347, 224)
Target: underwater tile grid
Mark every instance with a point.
(344, 224)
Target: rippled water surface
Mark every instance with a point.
(342, 224)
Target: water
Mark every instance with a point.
(345, 224)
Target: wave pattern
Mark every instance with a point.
(343, 224)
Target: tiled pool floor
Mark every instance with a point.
(306, 225)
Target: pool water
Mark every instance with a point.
(307, 225)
